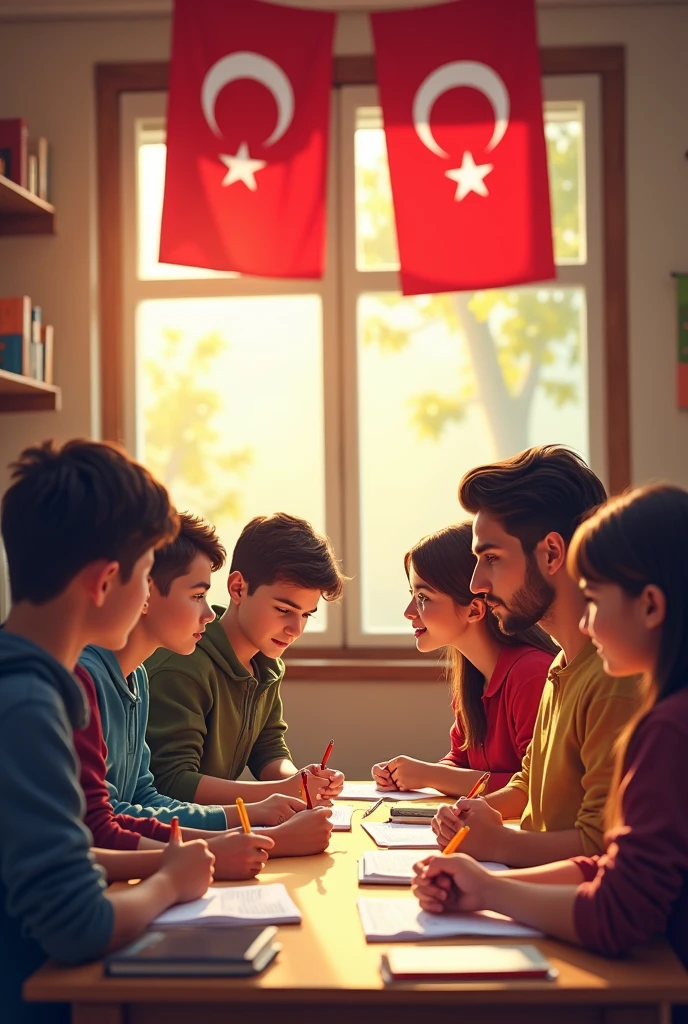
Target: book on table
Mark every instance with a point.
(466, 963)
(234, 905)
(395, 867)
(193, 951)
(400, 919)
(401, 837)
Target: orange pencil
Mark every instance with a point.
(176, 833)
(455, 842)
(479, 786)
(243, 815)
(306, 794)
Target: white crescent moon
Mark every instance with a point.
(449, 76)
(245, 64)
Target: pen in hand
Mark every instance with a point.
(243, 815)
(306, 794)
(326, 755)
(456, 840)
(479, 786)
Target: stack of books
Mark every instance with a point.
(26, 343)
(23, 160)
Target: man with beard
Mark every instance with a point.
(526, 511)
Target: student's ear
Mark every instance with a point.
(552, 553)
(653, 606)
(476, 610)
(237, 587)
(97, 579)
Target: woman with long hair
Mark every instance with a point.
(496, 679)
(631, 562)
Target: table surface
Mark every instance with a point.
(327, 955)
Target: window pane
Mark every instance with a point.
(230, 408)
(445, 383)
(376, 240)
(150, 186)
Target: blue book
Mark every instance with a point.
(11, 348)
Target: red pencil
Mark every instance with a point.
(326, 755)
(304, 783)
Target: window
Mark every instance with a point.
(342, 401)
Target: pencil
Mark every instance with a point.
(455, 842)
(175, 833)
(306, 794)
(479, 786)
(243, 814)
(326, 755)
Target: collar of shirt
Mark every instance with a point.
(505, 662)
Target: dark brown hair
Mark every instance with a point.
(635, 540)
(196, 536)
(446, 562)
(539, 491)
(287, 549)
(73, 505)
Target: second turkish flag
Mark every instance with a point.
(462, 107)
(247, 138)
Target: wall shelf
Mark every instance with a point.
(23, 394)
(23, 213)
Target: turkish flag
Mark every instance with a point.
(462, 106)
(247, 138)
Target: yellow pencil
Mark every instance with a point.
(454, 843)
(243, 814)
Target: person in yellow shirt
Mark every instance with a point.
(526, 510)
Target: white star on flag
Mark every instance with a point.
(241, 167)
(469, 177)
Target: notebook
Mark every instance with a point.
(403, 837)
(194, 951)
(395, 867)
(402, 920)
(465, 963)
(369, 791)
(341, 817)
(235, 905)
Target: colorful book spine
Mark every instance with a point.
(14, 149)
(15, 334)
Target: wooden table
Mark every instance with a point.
(326, 974)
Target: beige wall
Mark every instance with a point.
(46, 76)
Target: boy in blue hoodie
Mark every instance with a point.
(79, 525)
(175, 617)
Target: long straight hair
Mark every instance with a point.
(635, 540)
(446, 562)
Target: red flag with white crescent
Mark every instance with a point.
(247, 138)
(462, 107)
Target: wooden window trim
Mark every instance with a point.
(608, 62)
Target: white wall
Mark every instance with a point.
(46, 76)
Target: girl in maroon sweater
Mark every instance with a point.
(631, 561)
(496, 679)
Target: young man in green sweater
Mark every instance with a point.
(219, 710)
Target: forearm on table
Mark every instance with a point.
(524, 849)
(135, 907)
(225, 791)
(277, 770)
(561, 872)
(121, 865)
(449, 779)
(510, 802)
(549, 908)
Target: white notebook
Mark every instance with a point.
(235, 905)
(401, 837)
(402, 920)
(395, 867)
(369, 791)
(341, 817)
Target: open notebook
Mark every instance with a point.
(395, 867)
(240, 904)
(369, 791)
(401, 837)
(402, 920)
(341, 817)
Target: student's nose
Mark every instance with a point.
(295, 626)
(411, 610)
(480, 584)
(208, 613)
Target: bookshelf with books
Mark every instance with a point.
(26, 344)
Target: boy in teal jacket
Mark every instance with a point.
(219, 709)
(79, 526)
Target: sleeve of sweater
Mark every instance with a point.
(179, 707)
(642, 874)
(149, 803)
(605, 717)
(53, 887)
(270, 745)
(110, 831)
